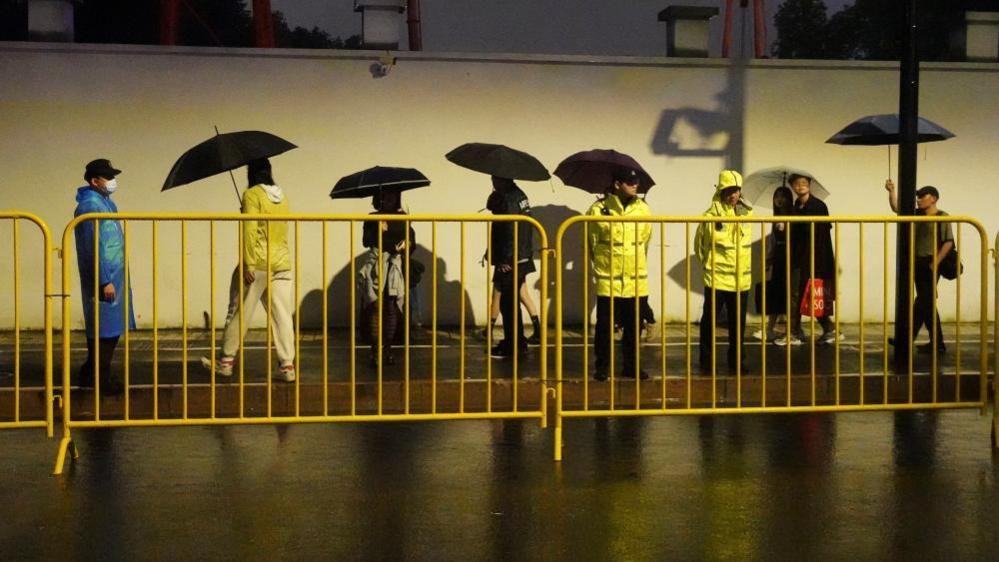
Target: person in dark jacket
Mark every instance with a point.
(385, 257)
(510, 201)
(806, 205)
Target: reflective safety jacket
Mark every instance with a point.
(618, 251)
(720, 247)
(261, 238)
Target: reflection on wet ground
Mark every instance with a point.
(811, 487)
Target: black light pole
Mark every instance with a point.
(908, 113)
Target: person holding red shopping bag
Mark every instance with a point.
(813, 292)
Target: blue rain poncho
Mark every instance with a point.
(111, 264)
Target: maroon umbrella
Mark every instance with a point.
(593, 170)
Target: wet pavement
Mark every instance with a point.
(863, 486)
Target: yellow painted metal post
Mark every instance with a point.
(298, 322)
(17, 323)
(353, 324)
(156, 322)
(686, 288)
(884, 318)
(788, 311)
(326, 322)
(764, 316)
(517, 328)
(240, 272)
(957, 344)
(586, 314)
(662, 308)
(837, 327)
(812, 303)
(97, 320)
(860, 288)
(183, 304)
(406, 321)
(433, 320)
(638, 327)
(461, 367)
(489, 327)
(125, 297)
(211, 314)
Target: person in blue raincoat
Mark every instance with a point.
(95, 197)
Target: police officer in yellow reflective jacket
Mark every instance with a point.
(724, 250)
(618, 254)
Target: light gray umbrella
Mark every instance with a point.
(759, 186)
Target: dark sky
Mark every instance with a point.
(604, 27)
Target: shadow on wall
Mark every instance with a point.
(698, 133)
(573, 275)
(449, 295)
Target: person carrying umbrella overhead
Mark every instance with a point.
(265, 250)
(724, 250)
(504, 165)
(387, 256)
(509, 199)
(618, 256)
(387, 243)
(928, 261)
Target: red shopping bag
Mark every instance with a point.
(813, 302)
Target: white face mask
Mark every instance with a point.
(111, 185)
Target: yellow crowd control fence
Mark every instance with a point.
(341, 375)
(816, 370)
(26, 389)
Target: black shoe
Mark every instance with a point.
(927, 348)
(535, 338)
(600, 374)
(630, 374)
(500, 352)
(112, 387)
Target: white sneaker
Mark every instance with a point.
(222, 367)
(795, 340)
(285, 374)
(832, 336)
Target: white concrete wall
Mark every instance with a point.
(684, 120)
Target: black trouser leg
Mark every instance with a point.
(735, 318)
(602, 341)
(925, 307)
(513, 332)
(87, 373)
(624, 310)
(736, 324)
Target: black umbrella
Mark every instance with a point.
(367, 183)
(498, 160)
(593, 170)
(222, 153)
(879, 130)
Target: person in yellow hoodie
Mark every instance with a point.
(265, 247)
(724, 250)
(618, 257)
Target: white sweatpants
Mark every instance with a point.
(280, 310)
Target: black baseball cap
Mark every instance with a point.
(627, 176)
(100, 168)
(928, 190)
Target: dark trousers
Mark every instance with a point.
(924, 309)
(723, 300)
(86, 372)
(513, 330)
(624, 314)
(389, 324)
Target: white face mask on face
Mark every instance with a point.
(111, 185)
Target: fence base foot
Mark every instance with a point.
(65, 444)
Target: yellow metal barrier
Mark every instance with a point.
(332, 388)
(12, 407)
(995, 348)
(807, 384)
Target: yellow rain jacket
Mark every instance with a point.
(616, 249)
(265, 200)
(718, 260)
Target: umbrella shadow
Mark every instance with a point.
(338, 314)
(702, 133)
(574, 278)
